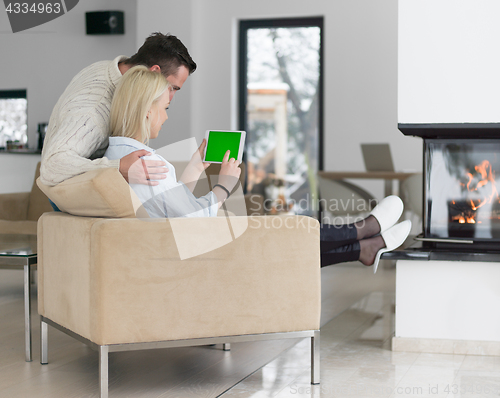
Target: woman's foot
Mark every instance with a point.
(388, 212)
(367, 228)
(369, 249)
(382, 217)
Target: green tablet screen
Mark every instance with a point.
(219, 142)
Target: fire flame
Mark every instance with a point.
(465, 219)
(487, 176)
(484, 176)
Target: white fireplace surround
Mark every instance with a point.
(448, 62)
(448, 72)
(447, 307)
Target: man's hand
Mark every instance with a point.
(139, 171)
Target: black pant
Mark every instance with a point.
(338, 244)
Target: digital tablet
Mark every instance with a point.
(220, 141)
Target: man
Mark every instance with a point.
(78, 130)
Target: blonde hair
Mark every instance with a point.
(135, 94)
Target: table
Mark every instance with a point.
(19, 252)
(387, 176)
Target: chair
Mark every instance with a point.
(19, 212)
(261, 281)
(341, 198)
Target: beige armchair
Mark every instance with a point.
(118, 282)
(19, 212)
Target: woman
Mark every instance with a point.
(138, 111)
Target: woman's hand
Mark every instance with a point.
(229, 172)
(195, 167)
(196, 160)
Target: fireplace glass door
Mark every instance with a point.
(461, 194)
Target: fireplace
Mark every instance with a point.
(461, 170)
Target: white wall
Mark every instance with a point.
(45, 58)
(360, 70)
(170, 17)
(448, 61)
(17, 172)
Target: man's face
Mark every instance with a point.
(178, 79)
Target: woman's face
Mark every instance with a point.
(158, 113)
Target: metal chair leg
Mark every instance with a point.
(44, 343)
(27, 311)
(103, 371)
(226, 346)
(315, 357)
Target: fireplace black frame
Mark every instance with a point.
(454, 132)
(451, 130)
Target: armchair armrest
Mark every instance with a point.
(14, 206)
(129, 284)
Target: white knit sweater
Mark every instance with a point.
(78, 128)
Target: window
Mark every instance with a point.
(13, 118)
(280, 108)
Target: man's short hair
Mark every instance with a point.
(166, 51)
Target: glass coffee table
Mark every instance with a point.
(19, 252)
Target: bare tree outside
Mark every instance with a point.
(283, 114)
(13, 120)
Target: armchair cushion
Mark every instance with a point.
(98, 193)
(38, 202)
(105, 193)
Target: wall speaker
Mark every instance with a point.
(105, 22)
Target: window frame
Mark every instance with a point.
(17, 94)
(244, 26)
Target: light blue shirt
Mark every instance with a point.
(169, 198)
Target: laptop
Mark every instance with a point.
(377, 157)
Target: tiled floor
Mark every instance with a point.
(356, 360)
